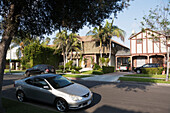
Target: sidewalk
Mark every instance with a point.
(110, 77)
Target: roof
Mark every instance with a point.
(123, 53)
(89, 38)
(133, 35)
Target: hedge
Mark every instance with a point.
(156, 70)
(108, 69)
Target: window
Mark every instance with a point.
(156, 39)
(97, 44)
(40, 82)
(29, 81)
(139, 41)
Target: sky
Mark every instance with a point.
(131, 17)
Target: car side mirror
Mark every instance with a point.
(46, 87)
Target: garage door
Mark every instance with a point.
(140, 61)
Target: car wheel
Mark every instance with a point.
(20, 96)
(61, 105)
(27, 74)
(138, 71)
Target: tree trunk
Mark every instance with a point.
(167, 70)
(11, 28)
(64, 58)
(4, 45)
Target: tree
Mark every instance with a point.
(66, 43)
(110, 31)
(157, 20)
(104, 35)
(97, 35)
(39, 17)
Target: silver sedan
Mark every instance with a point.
(53, 89)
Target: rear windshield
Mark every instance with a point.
(59, 82)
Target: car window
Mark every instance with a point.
(36, 67)
(146, 65)
(59, 81)
(39, 82)
(29, 81)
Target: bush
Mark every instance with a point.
(69, 64)
(61, 67)
(108, 69)
(97, 72)
(156, 70)
(96, 67)
(75, 72)
(166, 69)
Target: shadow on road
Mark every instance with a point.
(127, 86)
(110, 109)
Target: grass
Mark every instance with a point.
(147, 75)
(95, 72)
(76, 76)
(143, 80)
(18, 107)
(14, 71)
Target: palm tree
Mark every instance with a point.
(110, 31)
(97, 35)
(66, 43)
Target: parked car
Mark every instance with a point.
(124, 67)
(40, 69)
(53, 89)
(149, 65)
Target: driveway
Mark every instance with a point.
(110, 77)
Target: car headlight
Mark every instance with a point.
(75, 98)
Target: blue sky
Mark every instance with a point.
(126, 19)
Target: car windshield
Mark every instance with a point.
(59, 82)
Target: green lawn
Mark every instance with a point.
(13, 71)
(18, 107)
(147, 75)
(95, 72)
(143, 80)
(76, 76)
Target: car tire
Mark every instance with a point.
(20, 96)
(61, 105)
(138, 71)
(27, 74)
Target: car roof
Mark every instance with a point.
(44, 76)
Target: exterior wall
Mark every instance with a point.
(90, 47)
(145, 43)
(13, 54)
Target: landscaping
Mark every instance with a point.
(14, 71)
(147, 75)
(12, 106)
(143, 80)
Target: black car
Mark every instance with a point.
(149, 65)
(39, 69)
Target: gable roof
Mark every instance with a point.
(133, 35)
(89, 38)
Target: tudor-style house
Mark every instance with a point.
(148, 46)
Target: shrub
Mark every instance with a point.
(108, 69)
(97, 72)
(96, 67)
(69, 64)
(61, 67)
(156, 70)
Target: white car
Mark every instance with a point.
(53, 89)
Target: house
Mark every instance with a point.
(12, 59)
(91, 49)
(148, 46)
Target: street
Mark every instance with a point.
(126, 97)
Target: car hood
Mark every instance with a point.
(75, 89)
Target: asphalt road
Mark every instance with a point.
(112, 97)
